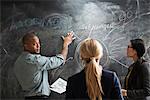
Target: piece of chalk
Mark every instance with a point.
(70, 58)
(62, 37)
(73, 34)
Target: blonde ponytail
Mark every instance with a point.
(93, 74)
(91, 51)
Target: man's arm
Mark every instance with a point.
(67, 41)
(55, 61)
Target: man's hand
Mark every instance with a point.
(68, 39)
(124, 92)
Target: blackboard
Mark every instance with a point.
(111, 22)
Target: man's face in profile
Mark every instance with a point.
(33, 45)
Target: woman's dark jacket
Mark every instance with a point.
(76, 86)
(138, 85)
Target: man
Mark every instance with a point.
(31, 67)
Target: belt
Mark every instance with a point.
(37, 97)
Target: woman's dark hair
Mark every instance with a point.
(138, 45)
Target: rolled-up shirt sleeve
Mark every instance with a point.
(47, 63)
(56, 61)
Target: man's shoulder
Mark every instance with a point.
(30, 56)
(27, 57)
(27, 54)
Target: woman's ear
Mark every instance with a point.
(83, 63)
(135, 52)
(80, 57)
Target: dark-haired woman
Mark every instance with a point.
(137, 81)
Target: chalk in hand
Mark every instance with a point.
(63, 37)
(70, 58)
(73, 35)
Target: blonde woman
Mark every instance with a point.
(93, 82)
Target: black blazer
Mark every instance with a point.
(138, 85)
(76, 86)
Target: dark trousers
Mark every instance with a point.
(43, 97)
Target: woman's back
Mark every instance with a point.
(76, 86)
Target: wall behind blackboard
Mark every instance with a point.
(111, 22)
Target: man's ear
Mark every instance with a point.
(25, 46)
